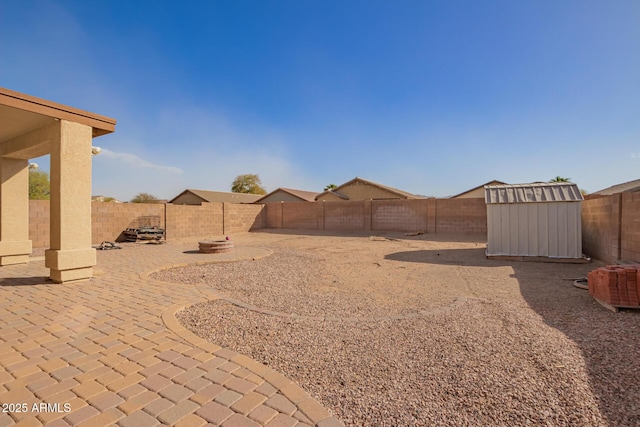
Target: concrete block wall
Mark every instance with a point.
(630, 227)
(298, 215)
(39, 223)
(240, 218)
(611, 227)
(185, 221)
(109, 220)
(600, 227)
(272, 215)
(466, 216)
(399, 215)
(345, 216)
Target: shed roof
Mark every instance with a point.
(532, 193)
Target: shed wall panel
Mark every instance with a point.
(535, 229)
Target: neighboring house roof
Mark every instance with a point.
(627, 187)
(494, 182)
(220, 196)
(304, 196)
(401, 194)
(532, 193)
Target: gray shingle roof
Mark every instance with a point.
(627, 187)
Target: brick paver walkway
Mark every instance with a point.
(109, 351)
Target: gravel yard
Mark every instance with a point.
(401, 331)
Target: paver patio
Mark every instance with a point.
(109, 351)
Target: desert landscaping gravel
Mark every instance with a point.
(401, 331)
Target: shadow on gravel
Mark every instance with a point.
(610, 342)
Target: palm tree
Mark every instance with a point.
(560, 179)
(330, 187)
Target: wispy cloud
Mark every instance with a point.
(635, 155)
(138, 162)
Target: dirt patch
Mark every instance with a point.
(425, 331)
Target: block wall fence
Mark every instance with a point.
(109, 220)
(610, 225)
(458, 216)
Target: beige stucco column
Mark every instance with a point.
(71, 256)
(15, 245)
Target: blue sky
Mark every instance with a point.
(432, 97)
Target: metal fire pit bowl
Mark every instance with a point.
(215, 246)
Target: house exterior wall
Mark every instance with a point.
(280, 196)
(478, 192)
(362, 191)
(187, 199)
(535, 229)
(328, 197)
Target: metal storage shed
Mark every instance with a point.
(534, 220)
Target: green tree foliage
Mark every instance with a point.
(249, 184)
(39, 186)
(330, 187)
(144, 198)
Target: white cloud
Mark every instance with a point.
(635, 155)
(138, 162)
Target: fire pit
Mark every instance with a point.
(215, 246)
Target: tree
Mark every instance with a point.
(560, 179)
(39, 186)
(249, 184)
(330, 187)
(144, 198)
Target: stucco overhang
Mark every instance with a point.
(21, 114)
